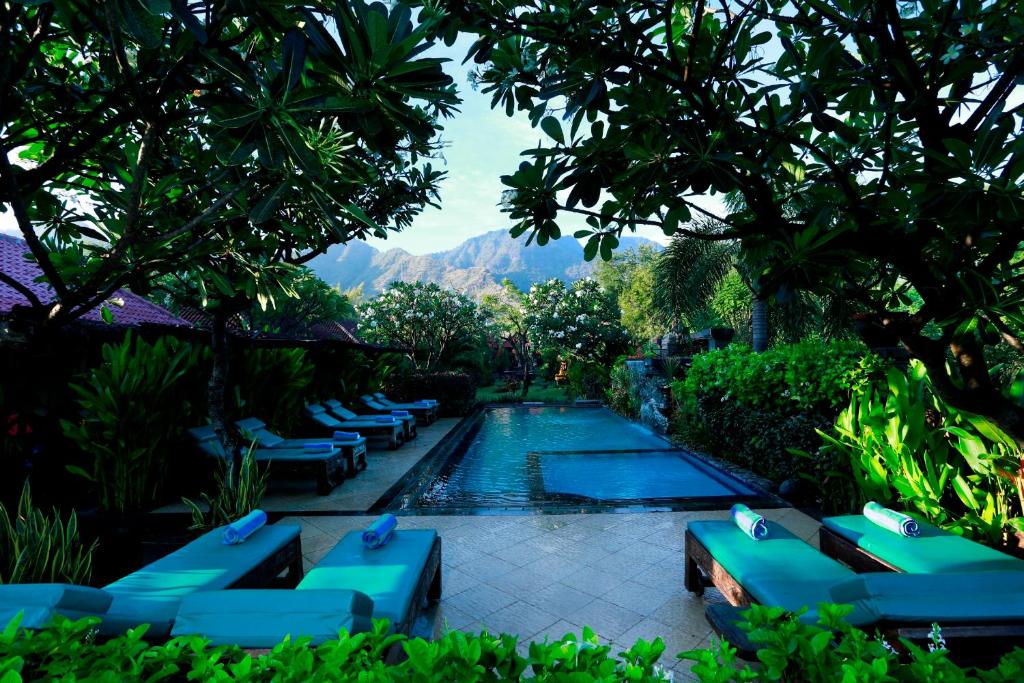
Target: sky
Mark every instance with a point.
(482, 144)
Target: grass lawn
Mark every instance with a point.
(539, 391)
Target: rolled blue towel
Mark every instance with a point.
(380, 532)
(243, 528)
(383, 418)
(751, 523)
(400, 413)
(346, 436)
(321, 447)
(893, 521)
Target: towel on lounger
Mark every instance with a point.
(241, 529)
(380, 532)
(346, 436)
(896, 522)
(320, 447)
(751, 523)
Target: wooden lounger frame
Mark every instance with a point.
(268, 572)
(426, 595)
(982, 642)
(850, 554)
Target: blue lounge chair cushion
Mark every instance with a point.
(264, 617)
(934, 551)
(152, 594)
(388, 575)
(990, 597)
(780, 570)
(39, 602)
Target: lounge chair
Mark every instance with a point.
(865, 546)
(338, 410)
(353, 451)
(392, 430)
(153, 594)
(428, 413)
(436, 405)
(786, 572)
(394, 582)
(327, 466)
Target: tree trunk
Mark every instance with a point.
(217, 393)
(759, 322)
(524, 361)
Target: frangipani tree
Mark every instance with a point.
(230, 140)
(432, 324)
(875, 145)
(581, 321)
(509, 317)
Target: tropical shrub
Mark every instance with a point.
(586, 380)
(456, 391)
(236, 494)
(67, 651)
(36, 548)
(622, 396)
(273, 384)
(832, 650)
(908, 448)
(434, 324)
(580, 321)
(135, 407)
(789, 650)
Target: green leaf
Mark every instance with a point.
(265, 207)
(795, 169)
(551, 126)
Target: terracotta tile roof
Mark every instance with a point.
(336, 330)
(134, 311)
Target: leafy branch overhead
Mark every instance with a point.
(874, 146)
(152, 136)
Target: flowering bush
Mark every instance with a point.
(581, 321)
(432, 323)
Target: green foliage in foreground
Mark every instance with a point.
(67, 651)
(832, 650)
(36, 548)
(789, 651)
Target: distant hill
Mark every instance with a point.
(476, 266)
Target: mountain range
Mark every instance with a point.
(475, 267)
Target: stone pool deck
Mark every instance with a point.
(542, 576)
(533, 575)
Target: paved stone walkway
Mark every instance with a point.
(542, 576)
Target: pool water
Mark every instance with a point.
(529, 457)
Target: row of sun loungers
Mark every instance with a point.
(338, 449)
(220, 591)
(974, 592)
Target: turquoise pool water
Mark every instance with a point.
(521, 457)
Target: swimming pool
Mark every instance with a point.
(530, 457)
